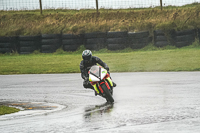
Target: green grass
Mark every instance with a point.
(7, 110)
(39, 64)
(83, 21)
(147, 59)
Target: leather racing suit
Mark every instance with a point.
(85, 67)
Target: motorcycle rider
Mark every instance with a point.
(87, 62)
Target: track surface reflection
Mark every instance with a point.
(144, 102)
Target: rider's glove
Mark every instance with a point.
(107, 68)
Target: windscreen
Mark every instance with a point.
(95, 70)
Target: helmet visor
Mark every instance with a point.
(87, 58)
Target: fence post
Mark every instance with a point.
(97, 5)
(40, 6)
(161, 4)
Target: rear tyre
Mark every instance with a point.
(108, 96)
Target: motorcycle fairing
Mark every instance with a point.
(96, 87)
(103, 73)
(110, 81)
(97, 73)
(93, 78)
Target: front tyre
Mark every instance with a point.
(108, 96)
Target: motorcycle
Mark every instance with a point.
(101, 81)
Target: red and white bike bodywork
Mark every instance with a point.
(101, 81)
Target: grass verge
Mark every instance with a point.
(14, 23)
(147, 59)
(7, 110)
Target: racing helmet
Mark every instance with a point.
(87, 55)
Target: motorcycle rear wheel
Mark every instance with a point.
(109, 97)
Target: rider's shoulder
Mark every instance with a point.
(82, 62)
(95, 57)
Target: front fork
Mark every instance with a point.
(96, 86)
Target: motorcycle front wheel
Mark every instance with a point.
(109, 97)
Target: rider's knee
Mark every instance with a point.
(84, 85)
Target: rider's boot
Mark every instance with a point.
(114, 84)
(87, 85)
(95, 93)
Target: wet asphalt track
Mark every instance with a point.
(155, 102)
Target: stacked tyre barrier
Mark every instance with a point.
(8, 44)
(28, 44)
(185, 38)
(117, 40)
(95, 41)
(139, 40)
(50, 43)
(160, 38)
(199, 34)
(72, 42)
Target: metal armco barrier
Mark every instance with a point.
(49, 43)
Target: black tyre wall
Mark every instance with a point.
(95, 35)
(162, 38)
(28, 44)
(95, 43)
(8, 44)
(117, 40)
(50, 43)
(137, 35)
(158, 33)
(186, 32)
(139, 39)
(51, 36)
(95, 40)
(72, 42)
(72, 36)
(123, 34)
(185, 37)
(199, 34)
